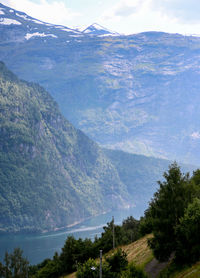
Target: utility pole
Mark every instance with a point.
(113, 221)
(100, 269)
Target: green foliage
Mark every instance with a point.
(174, 217)
(117, 262)
(130, 227)
(16, 266)
(89, 269)
(133, 272)
(34, 269)
(112, 267)
(146, 223)
(124, 234)
(166, 209)
(187, 234)
(51, 269)
(74, 252)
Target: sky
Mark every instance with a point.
(122, 16)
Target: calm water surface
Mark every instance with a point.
(39, 247)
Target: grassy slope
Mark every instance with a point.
(191, 272)
(139, 253)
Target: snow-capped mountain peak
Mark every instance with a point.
(32, 27)
(29, 28)
(97, 29)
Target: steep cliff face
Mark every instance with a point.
(51, 173)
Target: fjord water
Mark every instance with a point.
(39, 247)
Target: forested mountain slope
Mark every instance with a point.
(140, 174)
(51, 174)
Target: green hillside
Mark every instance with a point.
(140, 254)
(51, 174)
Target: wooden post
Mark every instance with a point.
(100, 269)
(113, 232)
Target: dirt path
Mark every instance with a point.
(153, 268)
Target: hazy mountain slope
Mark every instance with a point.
(140, 174)
(138, 93)
(51, 174)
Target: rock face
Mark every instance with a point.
(51, 173)
(137, 93)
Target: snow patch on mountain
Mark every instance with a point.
(9, 21)
(1, 11)
(80, 28)
(37, 34)
(108, 35)
(99, 27)
(38, 21)
(98, 30)
(23, 16)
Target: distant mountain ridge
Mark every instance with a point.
(138, 93)
(11, 17)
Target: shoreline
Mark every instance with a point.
(57, 229)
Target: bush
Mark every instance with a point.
(90, 269)
(133, 272)
(112, 267)
(117, 262)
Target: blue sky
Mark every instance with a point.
(123, 16)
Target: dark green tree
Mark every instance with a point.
(166, 209)
(75, 252)
(117, 262)
(2, 270)
(133, 272)
(187, 234)
(48, 268)
(16, 266)
(130, 230)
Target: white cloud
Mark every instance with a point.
(134, 16)
(195, 135)
(123, 16)
(54, 12)
(183, 10)
(123, 8)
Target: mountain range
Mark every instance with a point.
(137, 93)
(51, 174)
